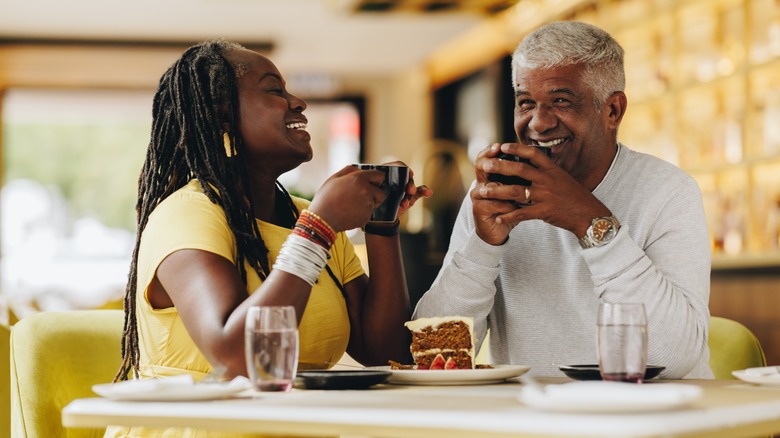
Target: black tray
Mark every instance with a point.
(340, 379)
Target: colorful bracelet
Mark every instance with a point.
(318, 219)
(312, 227)
(313, 235)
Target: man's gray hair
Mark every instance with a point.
(566, 43)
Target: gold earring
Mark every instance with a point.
(228, 145)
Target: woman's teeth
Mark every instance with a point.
(296, 125)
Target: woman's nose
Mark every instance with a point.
(296, 103)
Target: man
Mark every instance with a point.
(599, 222)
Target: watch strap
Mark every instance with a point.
(382, 230)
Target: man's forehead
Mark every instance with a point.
(548, 79)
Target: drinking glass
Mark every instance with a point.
(271, 344)
(622, 341)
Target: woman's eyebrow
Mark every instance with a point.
(272, 75)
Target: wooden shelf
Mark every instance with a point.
(703, 82)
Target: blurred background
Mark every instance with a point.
(423, 81)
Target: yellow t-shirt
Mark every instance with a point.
(187, 219)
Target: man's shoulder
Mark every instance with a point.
(643, 165)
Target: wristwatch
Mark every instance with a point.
(600, 232)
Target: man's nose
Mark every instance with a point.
(542, 119)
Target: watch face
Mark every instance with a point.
(602, 229)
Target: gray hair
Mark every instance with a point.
(566, 43)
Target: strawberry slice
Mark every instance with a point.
(438, 363)
(450, 364)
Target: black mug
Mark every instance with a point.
(512, 179)
(394, 186)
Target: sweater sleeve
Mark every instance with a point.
(466, 283)
(669, 272)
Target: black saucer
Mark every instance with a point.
(340, 379)
(591, 372)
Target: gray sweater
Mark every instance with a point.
(538, 292)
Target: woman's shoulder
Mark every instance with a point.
(190, 201)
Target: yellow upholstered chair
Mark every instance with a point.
(56, 357)
(732, 347)
(5, 381)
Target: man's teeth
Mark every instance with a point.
(296, 125)
(551, 143)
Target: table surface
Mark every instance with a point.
(728, 408)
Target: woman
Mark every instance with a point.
(212, 220)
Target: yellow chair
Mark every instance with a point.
(56, 357)
(5, 381)
(732, 347)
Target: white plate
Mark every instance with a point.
(177, 388)
(481, 376)
(609, 397)
(758, 379)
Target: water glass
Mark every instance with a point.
(622, 341)
(271, 345)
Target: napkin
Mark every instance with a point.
(588, 396)
(173, 387)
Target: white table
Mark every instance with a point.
(728, 409)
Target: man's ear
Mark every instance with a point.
(614, 109)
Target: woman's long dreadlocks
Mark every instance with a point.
(196, 97)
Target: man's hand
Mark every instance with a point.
(555, 196)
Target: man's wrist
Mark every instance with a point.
(600, 232)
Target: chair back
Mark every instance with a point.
(732, 347)
(5, 381)
(56, 357)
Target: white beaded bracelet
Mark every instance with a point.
(302, 257)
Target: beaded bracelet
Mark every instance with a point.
(319, 220)
(312, 227)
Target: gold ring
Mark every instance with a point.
(528, 194)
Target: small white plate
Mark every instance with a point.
(768, 379)
(609, 397)
(481, 376)
(177, 388)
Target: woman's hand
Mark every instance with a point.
(346, 199)
(413, 193)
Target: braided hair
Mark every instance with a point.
(196, 97)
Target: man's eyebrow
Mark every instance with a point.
(564, 90)
(519, 93)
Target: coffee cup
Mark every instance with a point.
(512, 179)
(394, 186)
